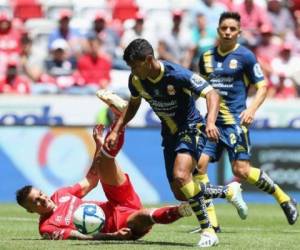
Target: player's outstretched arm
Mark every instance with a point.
(127, 115)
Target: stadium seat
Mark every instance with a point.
(53, 7)
(26, 9)
(4, 6)
(88, 8)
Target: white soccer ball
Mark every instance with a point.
(89, 218)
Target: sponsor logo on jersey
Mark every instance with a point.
(64, 199)
(233, 64)
(171, 90)
(197, 80)
(257, 70)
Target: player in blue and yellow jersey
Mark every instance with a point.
(169, 89)
(231, 69)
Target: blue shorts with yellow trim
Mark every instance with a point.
(190, 140)
(235, 139)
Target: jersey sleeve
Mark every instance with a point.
(193, 82)
(51, 232)
(133, 91)
(254, 73)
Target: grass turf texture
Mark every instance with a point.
(265, 228)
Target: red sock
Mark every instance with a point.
(166, 215)
(112, 152)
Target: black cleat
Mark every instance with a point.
(290, 210)
(217, 229)
(198, 230)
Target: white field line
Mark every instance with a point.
(17, 219)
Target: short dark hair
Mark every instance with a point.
(138, 49)
(22, 194)
(232, 15)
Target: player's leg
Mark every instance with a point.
(194, 193)
(200, 176)
(239, 156)
(108, 170)
(141, 221)
(260, 179)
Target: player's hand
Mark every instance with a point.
(111, 140)
(247, 117)
(97, 135)
(124, 233)
(212, 132)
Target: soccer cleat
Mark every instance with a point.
(237, 200)
(198, 230)
(115, 102)
(185, 209)
(290, 210)
(208, 239)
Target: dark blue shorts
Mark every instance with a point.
(235, 139)
(191, 140)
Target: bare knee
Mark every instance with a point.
(203, 164)
(241, 169)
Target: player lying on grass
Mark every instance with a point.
(126, 219)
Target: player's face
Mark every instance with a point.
(229, 31)
(140, 68)
(38, 202)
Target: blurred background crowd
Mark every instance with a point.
(76, 46)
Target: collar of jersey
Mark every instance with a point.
(162, 71)
(226, 53)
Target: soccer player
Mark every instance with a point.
(169, 89)
(232, 69)
(126, 219)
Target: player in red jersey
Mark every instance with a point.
(126, 219)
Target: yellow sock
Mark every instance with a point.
(211, 211)
(229, 193)
(280, 195)
(253, 176)
(190, 189)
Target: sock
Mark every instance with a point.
(211, 211)
(261, 180)
(194, 195)
(165, 215)
(280, 195)
(112, 152)
(265, 183)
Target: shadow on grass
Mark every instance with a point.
(139, 242)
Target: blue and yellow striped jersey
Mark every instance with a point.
(231, 74)
(171, 95)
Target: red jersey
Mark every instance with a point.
(59, 224)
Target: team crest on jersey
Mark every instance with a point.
(197, 80)
(233, 64)
(257, 70)
(64, 199)
(171, 90)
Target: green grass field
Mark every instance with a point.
(265, 228)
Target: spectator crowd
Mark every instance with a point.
(73, 46)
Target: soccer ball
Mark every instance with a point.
(89, 218)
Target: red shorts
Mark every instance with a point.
(124, 200)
